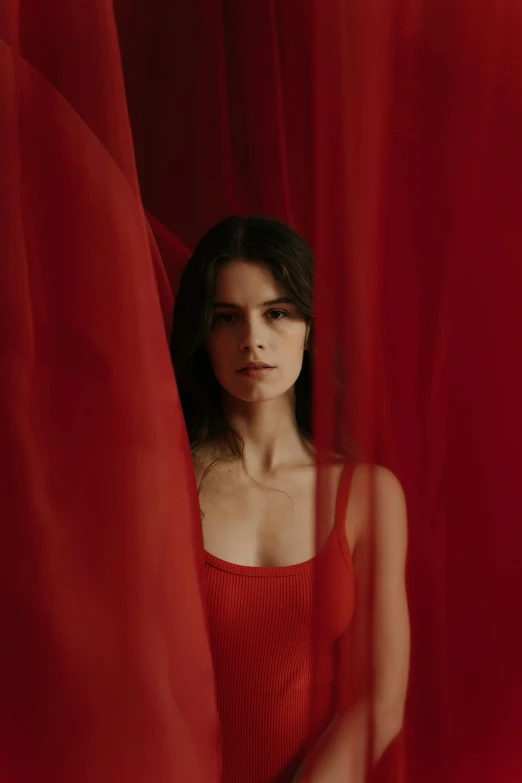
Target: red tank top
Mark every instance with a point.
(276, 672)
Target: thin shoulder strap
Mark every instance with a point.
(343, 495)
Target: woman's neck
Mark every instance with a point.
(271, 437)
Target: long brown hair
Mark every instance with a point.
(290, 259)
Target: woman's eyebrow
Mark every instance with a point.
(281, 300)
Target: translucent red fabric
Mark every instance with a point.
(388, 132)
(105, 670)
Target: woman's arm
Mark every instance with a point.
(381, 639)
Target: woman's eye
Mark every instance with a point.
(277, 315)
(225, 318)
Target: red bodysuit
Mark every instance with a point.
(269, 678)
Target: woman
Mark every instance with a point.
(242, 339)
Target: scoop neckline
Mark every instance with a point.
(248, 570)
(269, 571)
(306, 565)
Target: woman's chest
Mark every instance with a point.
(259, 611)
(253, 525)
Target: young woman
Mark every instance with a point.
(242, 339)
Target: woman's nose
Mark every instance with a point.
(253, 335)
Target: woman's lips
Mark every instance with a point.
(255, 372)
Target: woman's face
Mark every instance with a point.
(258, 336)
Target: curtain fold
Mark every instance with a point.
(388, 133)
(105, 669)
(400, 125)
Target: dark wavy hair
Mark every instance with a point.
(290, 259)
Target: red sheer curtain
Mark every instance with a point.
(388, 133)
(105, 671)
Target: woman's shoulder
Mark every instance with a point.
(206, 460)
(368, 477)
(376, 499)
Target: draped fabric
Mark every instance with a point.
(105, 671)
(387, 132)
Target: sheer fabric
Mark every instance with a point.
(388, 133)
(105, 670)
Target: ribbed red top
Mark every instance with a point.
(270, 680)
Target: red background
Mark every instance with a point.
(388, 133)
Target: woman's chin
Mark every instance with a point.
(256, 395)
